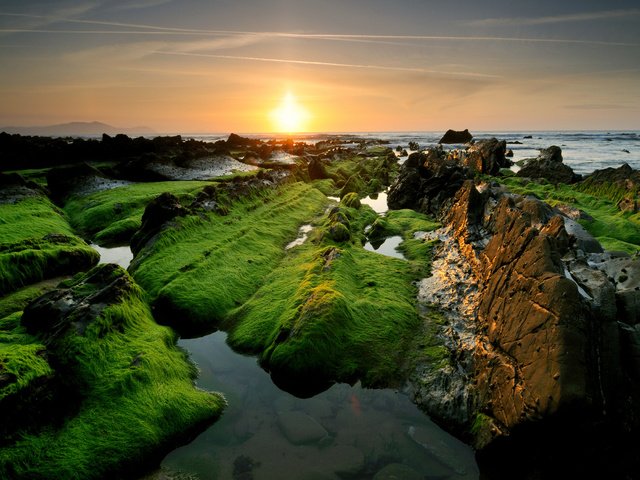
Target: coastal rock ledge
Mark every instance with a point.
(543, 336)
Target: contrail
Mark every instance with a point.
(329, 64)
(374, 38)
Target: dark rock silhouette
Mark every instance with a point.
(548, 165)
(456, 136)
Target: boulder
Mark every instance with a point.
(427, 180)
(548, 165)
(317, 170)
(456, 136)
(620, 185)
(160, 210)
(486, 156)
(300, 429)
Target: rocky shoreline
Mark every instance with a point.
(522, 338)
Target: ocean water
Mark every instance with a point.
(584, 151)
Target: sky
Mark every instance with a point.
(249, 66)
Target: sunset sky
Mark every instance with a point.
(196, 66)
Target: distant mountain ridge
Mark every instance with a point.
(75, 129)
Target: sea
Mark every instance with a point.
(584, 151)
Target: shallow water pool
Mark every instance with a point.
(344, 432)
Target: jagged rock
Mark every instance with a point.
(487, 156)
(159, 211)
(456, 136)
(509, 153)
(427, 180)
(548, 165)
(317, 170)
(621, 185)
(73, 308)
(235, 141)
(538, 347)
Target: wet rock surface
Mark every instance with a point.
(539, 327)
(548, 165)
(14, 188)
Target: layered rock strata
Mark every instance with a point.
(541, 326)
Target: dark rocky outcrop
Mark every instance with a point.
(456, 136)
(486, 156)
(548, 165)
(427, 181)
(158, 212)
(543, 341)
(82, 178)
(236, 141)
(317, 169)
(621, 185)
(13, 188)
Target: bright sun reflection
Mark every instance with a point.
(289, 117)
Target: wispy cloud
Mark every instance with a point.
(572, 17)
(333, 64)
(598, 106)
(142, 29)
(140, 4)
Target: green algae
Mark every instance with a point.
(614, 229)
(36, 243)
(333, 314)
(326, 309)
(112, 216)
(16, 301)
(333, 311)
(208, 264)
(130, 389)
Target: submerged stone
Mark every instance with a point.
(300, 429)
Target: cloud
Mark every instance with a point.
(599, 106)
(572, 17)
(332, 64)
(142, 29)
(140, 4)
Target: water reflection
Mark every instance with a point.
(386, 246)
(377, 201)
(344, 432)
(119, 255)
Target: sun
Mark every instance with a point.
(289, 117)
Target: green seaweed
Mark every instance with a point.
(614, 229)
(112, 216)
(331, 313)
(134, 389)
(207, 265)
(38, 243)
(16, 301)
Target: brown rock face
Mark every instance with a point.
(486, 156)
(540, 347)
(545, 352)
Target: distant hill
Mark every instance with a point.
(77, 129)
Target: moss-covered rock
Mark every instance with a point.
(206, 264)
(112, 216)
(92, 387)
(36, 242)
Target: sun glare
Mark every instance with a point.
(289, 117)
